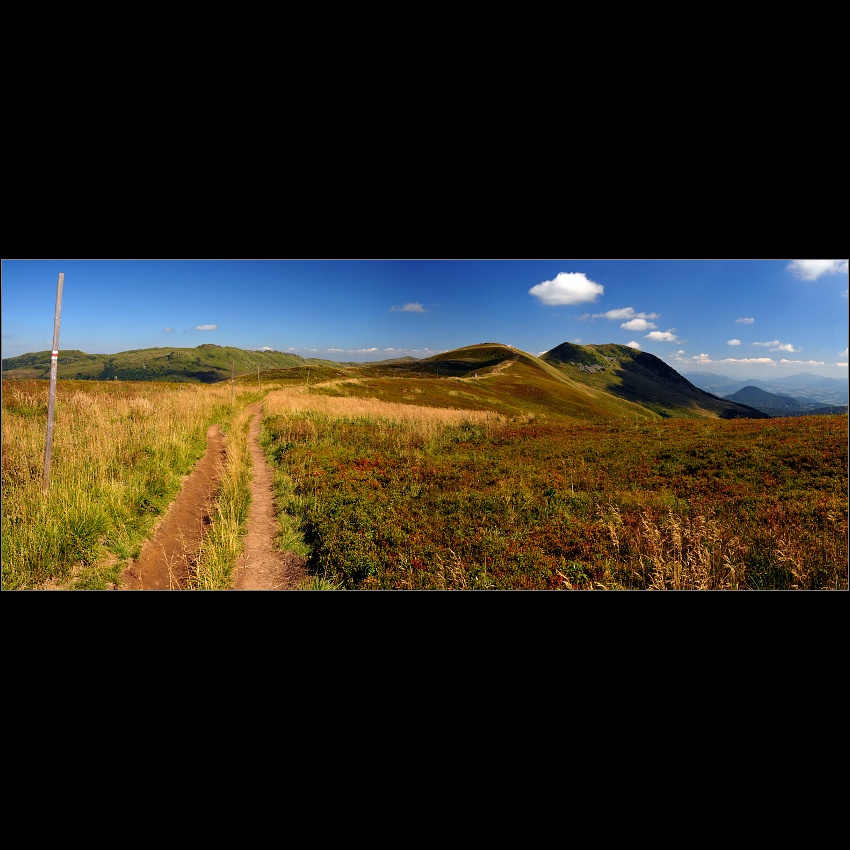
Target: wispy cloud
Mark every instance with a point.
(745, 321)
(411, 307)
(625, 313)
(733, 342)
(813, 269)
(168, 330)
(776, 345)
(206, 327)
(567, 288)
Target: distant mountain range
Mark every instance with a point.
(782, 405)
(816, 388)
(813, 391)
(570, 381)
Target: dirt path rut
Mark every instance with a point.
(164, 560)
(262, 566)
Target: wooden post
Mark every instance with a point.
(232, 373)
(308, 377)
(258, 377)
(54, 358)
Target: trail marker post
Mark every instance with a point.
(54, 358)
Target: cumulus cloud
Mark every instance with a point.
(633, 344)
(813, 269)
(567, 288)
(745, 320)
(803, 362)
(637, 325)
(776, 345)
(733, 342)
(411, 307)
(206, 327)
(663, 336)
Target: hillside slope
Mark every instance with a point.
(643, 379)
(204, 364)
(497, 377)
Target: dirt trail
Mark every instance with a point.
(262, 566)
(165, 559)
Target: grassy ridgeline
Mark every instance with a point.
(120, 450)
(398, 497)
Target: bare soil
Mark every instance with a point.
(166, 559)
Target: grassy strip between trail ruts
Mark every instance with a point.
(390, 503)
(221, 546)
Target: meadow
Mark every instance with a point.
(381, 494)
(394, 496)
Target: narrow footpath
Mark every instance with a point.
(165, 559)
(262, 566)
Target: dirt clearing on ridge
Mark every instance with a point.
(164, 562)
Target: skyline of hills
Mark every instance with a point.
(572, 381)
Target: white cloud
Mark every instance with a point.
(625, 313)
(776, 345)
(567, 288)
(844, 365)
(633, 344)
(745, 320)
(813, 269)
(638, 325)
(168, 330)
(733, 342)
(206, 327)
(842, 353)
(803, 362)
(704, 358)
(663, 336)
(412, 307)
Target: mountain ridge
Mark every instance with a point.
(569, 381)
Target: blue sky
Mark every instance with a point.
(742, 318)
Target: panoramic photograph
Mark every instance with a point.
(425, 424)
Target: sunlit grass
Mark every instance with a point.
(119, 452)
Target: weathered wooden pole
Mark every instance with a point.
(258, 377)
(232, 374)
(54, 358)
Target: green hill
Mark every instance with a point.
(644, 379)
(497, 377)
(204, 364)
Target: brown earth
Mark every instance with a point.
(165, 560)
(262, 566)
